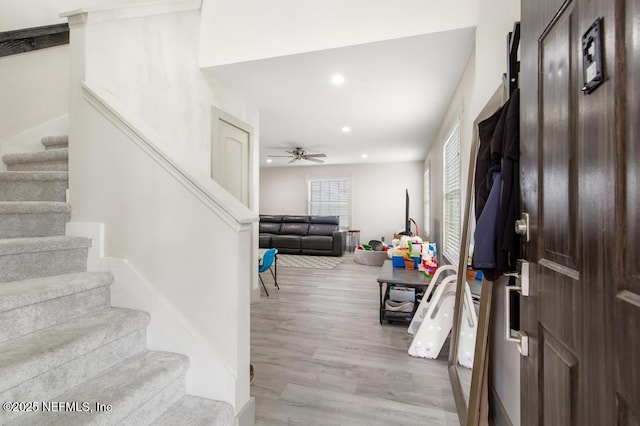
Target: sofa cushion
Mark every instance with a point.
(317, 242)
(270, 227)
(330, 220)
(285, 241)
(301, 219)
(322, 229)
(270, 218)
(294, 228)
(264, 240)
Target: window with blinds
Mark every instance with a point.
(451, 243)
(331, 197)
(427, 203)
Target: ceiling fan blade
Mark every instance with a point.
(315, 160)
(299, 154)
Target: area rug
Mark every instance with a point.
(311, 262)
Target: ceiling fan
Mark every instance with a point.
(300, 154)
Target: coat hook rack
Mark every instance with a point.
(510, 79)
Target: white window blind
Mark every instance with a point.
(452, 225)
(427, 203)
(331, 197)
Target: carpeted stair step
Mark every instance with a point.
(139, 390)
(49, 160)
(55, 142)
(33, 186)
(193, 410)
(44, 364)
(19, 219)
(34, 304)
(24, 258)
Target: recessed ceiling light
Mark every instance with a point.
(364, 155)
(346, 129)
(269, 160)
(337, 79)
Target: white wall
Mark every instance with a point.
(495, 20)
(17, 15)
(378, 194)
(459, 109)
(34, 85)
(242, 30)
(150, 65)
(481, 78)
(35, 89)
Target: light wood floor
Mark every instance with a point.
(322, 358)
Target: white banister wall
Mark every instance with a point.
(139, 164)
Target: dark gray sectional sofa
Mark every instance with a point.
(319, 235)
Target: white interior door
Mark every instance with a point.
(230, 158)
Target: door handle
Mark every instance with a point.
(522, 286)
(522, 226)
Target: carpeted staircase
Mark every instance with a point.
(66, 356)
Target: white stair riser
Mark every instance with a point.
(145, 379)
(27, 319)
(46, 166)
(54, 382)
(26, 358)
(19, 225)
(33, 190)
(52, 159)
(21, 266)
(55, 142)
(57, 146)
(154, 407)
(195, 410)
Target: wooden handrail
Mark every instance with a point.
(28, 39)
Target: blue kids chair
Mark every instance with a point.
(267, 262)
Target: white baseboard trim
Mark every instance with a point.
(247, 416)
(255, 295)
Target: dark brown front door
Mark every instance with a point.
(623, 292)
(579, 158)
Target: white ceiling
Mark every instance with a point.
(394, 97)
